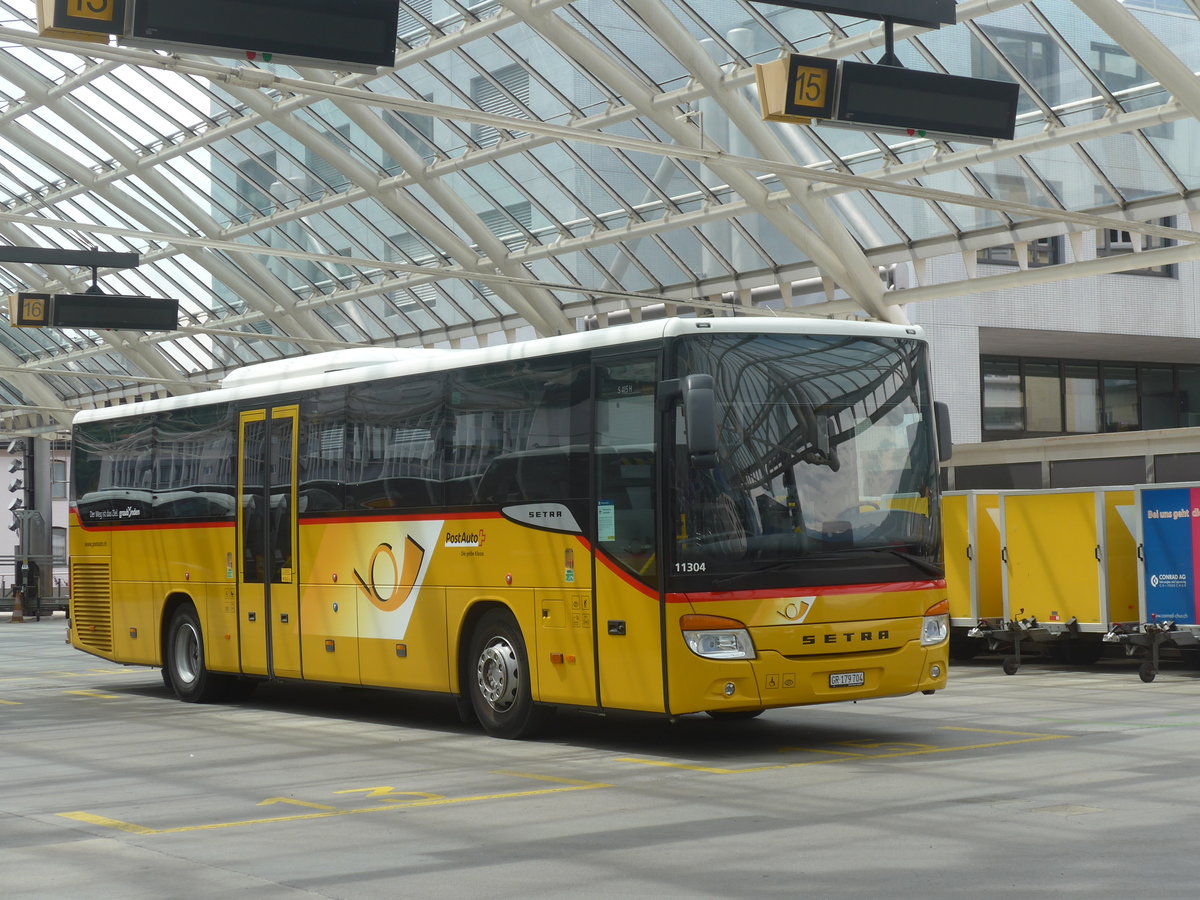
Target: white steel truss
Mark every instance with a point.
(528, 166)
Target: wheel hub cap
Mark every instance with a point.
(498, 675)
(187, 654)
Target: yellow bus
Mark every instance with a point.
(683, 516)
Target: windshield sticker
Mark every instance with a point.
(606, 521)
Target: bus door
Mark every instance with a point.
(267, 580)
(627, 605)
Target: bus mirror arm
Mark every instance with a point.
(699, 412)
(945, 445)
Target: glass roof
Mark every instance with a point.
(532, 168)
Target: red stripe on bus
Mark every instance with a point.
(414, 517)
(628, 578)
(155, 526)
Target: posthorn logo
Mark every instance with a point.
(797, 610)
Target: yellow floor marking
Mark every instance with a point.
(837, 756)
(995, 731)
(93, 694)
(390, 793)
(270, 801)
(93, 819)
(553, 779)
(10, 702)
(844, 754)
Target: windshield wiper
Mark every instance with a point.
(828, 555)
(927, 567)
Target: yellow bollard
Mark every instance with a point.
(18, 613)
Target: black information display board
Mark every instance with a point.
(360, 33)
(114, 311)
(929, 13)
(891, 97)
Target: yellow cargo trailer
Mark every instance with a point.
(1069, 571)
(974, 584)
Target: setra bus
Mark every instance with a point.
(689, 515)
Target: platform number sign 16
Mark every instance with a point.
(33, 309)
(92, 9)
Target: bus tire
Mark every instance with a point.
(497, 675)
(185, 669)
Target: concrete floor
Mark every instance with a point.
(1052, 782)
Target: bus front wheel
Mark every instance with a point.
(184, 668)
(498, 678)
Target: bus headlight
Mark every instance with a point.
(716, 637)
(936, 626)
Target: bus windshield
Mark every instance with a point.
(825, 471)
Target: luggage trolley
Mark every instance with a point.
(1069, 571)
(1167, 527)
(971, 532)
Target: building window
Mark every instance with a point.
(1120, 398)
(1134, 86)
(252, 186)
(1113, 242)
(1003, 399)
(1157, 401)
(416, 130)
(1081, 397)
(506, 93)
(58, 479)
(1187, 392)
(1043, 397)
(325, 174)
(1045, 251)
(1034, 55)
(1170, 7)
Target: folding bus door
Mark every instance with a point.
(268, 582)
(627, 608)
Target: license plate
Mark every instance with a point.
(847, 679)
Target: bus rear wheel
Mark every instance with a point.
(497, 678)
(184, 668)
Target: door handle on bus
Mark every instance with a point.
(969, 556)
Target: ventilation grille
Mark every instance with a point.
(91, 605)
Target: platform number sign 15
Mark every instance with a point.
(810, 83)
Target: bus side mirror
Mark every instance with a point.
(699, 412)
(941, 416)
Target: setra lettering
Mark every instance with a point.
(844, 637)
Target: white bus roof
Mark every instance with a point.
(315, 371)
